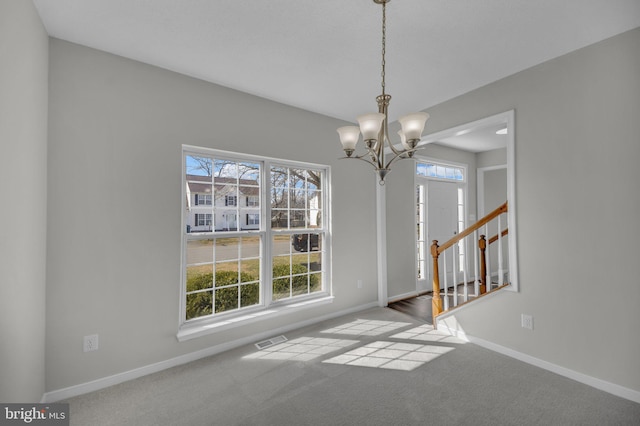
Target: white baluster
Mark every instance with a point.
(446, 283)
(455, 275)
(465, 278)
(476, 281)
(488, 252)
(500, 267)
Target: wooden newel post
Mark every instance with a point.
(436, 301)
(482, 245)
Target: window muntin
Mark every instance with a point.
(235, 259)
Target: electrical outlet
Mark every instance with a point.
(90, 343)
(527, 322)
(359, 283)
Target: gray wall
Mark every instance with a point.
(577, 148)
(114, 206)
(23, 215)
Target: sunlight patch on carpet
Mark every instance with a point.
(301, 349)
(363, 327)
(390, 355)
(426, 333)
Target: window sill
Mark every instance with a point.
(192, 331)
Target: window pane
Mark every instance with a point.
(459, 175)
(199, 166)
(199, 251)
(281, 288)
(249, 270)
(421, 169)
(279, 198)
(298, 219)
(279, 219)
(281, 266)
(251, 247)
(226, 249)
(315, 261)
(300, 263)
(297, 179)
(226, 273)
(299, 285)
(281, 245)
(199, 304)
(314, 179)
(249, 172)
(315, 282)
(297, 198)
(226, 299)
(279, 177)
(249, 294)
(199, 277)
(225, 169)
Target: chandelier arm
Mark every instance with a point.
(362, 158)
(404, 155)
(395, 151)
(395, 158)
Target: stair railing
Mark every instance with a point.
(482, 273)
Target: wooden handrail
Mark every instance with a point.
(436, 251)
(488, 218)
(495, 237)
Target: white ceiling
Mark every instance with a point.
(324, 55)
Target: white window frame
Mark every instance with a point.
(208, 219)
(253, 218)
(206, 198)
(196, 327)
(421, 242)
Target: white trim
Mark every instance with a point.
(381, 237)
(398, 297)
(203, 328)
(507, 117)
(480, 171)
(94, 385)
(603, 385)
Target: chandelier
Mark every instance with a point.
(374, 126)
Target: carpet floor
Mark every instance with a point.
(375, 367)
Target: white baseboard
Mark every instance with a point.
(600, 384)
(105, 382)
(402, 296)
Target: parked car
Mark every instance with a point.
(302, 242)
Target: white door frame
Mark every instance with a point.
(418, 180)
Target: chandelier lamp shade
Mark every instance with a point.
(375, 129)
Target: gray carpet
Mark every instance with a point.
(369, 368)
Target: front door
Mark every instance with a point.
(442, 220)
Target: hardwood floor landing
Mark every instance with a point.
(417, 307)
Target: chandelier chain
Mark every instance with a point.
(384, 43)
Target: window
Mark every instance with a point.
(270, 250)
(203, 199)
(203, 219)
(253, 219)
(440, 171)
